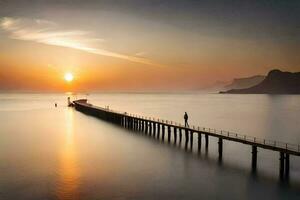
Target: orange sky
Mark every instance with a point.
(113, 49)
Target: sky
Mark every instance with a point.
(144, 45)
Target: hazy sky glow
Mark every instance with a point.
(138, 45)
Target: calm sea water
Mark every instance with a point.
(59, 153)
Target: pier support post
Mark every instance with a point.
(163, 132)
(131, 123)
(127, 122)
(138, 125)
(191, 138)
(158, 130)
(134, 123)
(186, 137)
(175, 135)
(154, 129)
(146, 127)
(220, 145)
(143, 125)
(281, 165)
(199, 141)
(150, 128)
(169, 134)
(287, 166)
(180, 135)
(254, 158)
(206, 141)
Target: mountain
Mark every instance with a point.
(276, 82)
(212, 88)
(241, 83)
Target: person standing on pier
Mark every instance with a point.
(186, 117)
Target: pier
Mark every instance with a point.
(164, 129)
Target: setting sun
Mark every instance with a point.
(69, 77)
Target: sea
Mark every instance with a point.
(49, 152)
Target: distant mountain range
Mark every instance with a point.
(241, 83)
(237, 83)
(276, 82)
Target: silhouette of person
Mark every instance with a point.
(186, 117)
(55, 104)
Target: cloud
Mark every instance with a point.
(141, 54)
(47, 32)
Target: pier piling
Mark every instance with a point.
(281, 165)
(175, 135)
(186, 138)
(146, 127)
(150, 128)
(254, 158)
(180, 135)
(287, 166)
(143, 125)
(163, 132)
(206, 141)
(158, 130)
(140, 125)
(220, 145)
(169, 134)
(191, 139)
(199, 141)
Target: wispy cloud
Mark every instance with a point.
(47, 32)
(140, 54)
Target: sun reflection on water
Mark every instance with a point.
(69, 174)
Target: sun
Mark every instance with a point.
(69, 77)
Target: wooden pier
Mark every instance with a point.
(163, 129)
